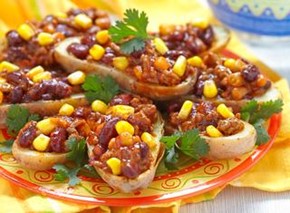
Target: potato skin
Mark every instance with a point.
(234, 145)
(36, 160)
(127, 185)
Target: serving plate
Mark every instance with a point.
(193, 178)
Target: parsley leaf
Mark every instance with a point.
(78, 151)
(256, 114)
(189, 143)
(17, 117)
(253, 111)
(6, 146)
(262, 134)
(63, 173)
(131, 33)
(100, 88)
(193, 145)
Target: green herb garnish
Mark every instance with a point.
(100, 88)
(17, 117)
(189, 143)
(256, 114)
(6, 146)
(131, 33)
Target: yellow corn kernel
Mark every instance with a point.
(97, 52)
(60, 15)
(83, 21)
(115, 165)
(185, 109)
(34, 71)
(138, 72)
(123, 111)
(41, 76)
(99, 106)
(160, 46)
(124, 126)
(213, 132)
(148, 139)
(25, 31)
(2, 80)
(102, 36)
(46, 126)
(1, 97)
(120, 63)
(8, 67)
(200, 23)
(230, 63)
(44, 38)
(224, 111)
(180, 66)
(76, 78)
(195, 61)
(126, 138)
(66, 109)
(41, 142)
(209, 89)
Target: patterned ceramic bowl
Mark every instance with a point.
(260, 17)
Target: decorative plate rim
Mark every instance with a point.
(259, 152)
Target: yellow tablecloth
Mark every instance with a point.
(272, 173)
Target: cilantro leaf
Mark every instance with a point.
(77, 152)
(262, 134)
(17, 117)
(171, 158)
(63, 173)
(100, 88)
(253, 111)
(131, 33)
(6, 146)
(170, 141)
(189, 143)
(193, 145)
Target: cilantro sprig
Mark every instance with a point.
(131, 33)
(6, 146)
(100, 88)
(256, 114)
(189, 143)
(17, 117)
(78, 156)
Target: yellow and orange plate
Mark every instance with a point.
(192, 178)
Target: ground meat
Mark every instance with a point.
(140, 122)
(230, 126)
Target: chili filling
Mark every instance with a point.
(21, 87)
(200, 116)
(234, 79)
(29, 52)
(153, 64)
(133, 152)
(55, 140)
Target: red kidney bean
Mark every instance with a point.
(108, 132)
(207, 36)
(57, 139)
(128, 171)
(88, 40)
(65, 30)
(80, 51)
(123, 99)
(144, 150)
(173, 107)
(82, 112)
(27, 135)
(13, 38)
(18, 79)
(250, 73)
(15, 95)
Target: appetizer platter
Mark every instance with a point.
(105, 112)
